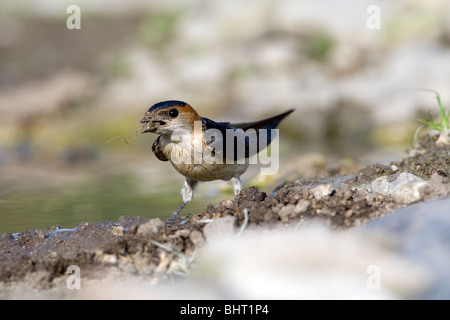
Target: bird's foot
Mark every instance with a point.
(172, 219)
(174, 216)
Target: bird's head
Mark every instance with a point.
(167, 116)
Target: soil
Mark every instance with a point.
(151, 248)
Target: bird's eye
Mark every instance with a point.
(173, 113)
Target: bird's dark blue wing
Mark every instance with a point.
(215, 134)
(247, 137)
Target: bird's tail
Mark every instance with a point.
(268, 123)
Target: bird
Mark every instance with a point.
(201, 149)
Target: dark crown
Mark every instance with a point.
(167, 104)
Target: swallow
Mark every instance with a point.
(201, 149)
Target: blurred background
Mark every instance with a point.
(64, 93)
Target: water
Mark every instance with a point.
(104, 197)
(37, 195)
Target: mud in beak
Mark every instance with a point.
(151, 125)
(146, 127)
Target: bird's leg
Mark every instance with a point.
(187, 192)
(236, 184)
(174, 216)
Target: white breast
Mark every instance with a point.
(187, 157)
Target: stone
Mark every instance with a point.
(421, 234)
(287, 212)
(117, 230)
(109, 258)
(322, 191)
(150, 227)
(409, 192)
(302, 206)
(443, 139)
(386, 184)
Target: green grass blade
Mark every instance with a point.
(416, 134)
(444, 114)
(429, 123)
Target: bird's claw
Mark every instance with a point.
(172, 219)
(174, 216)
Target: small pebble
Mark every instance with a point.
(117, 230)
(287, 212)
(150, 227)
(109, 258)
(322, 191)
(302, 206)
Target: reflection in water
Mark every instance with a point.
(102, 198)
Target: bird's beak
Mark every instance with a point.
(147, 121)
(150, 124)
(146, 127)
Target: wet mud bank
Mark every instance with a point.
(39, 259)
